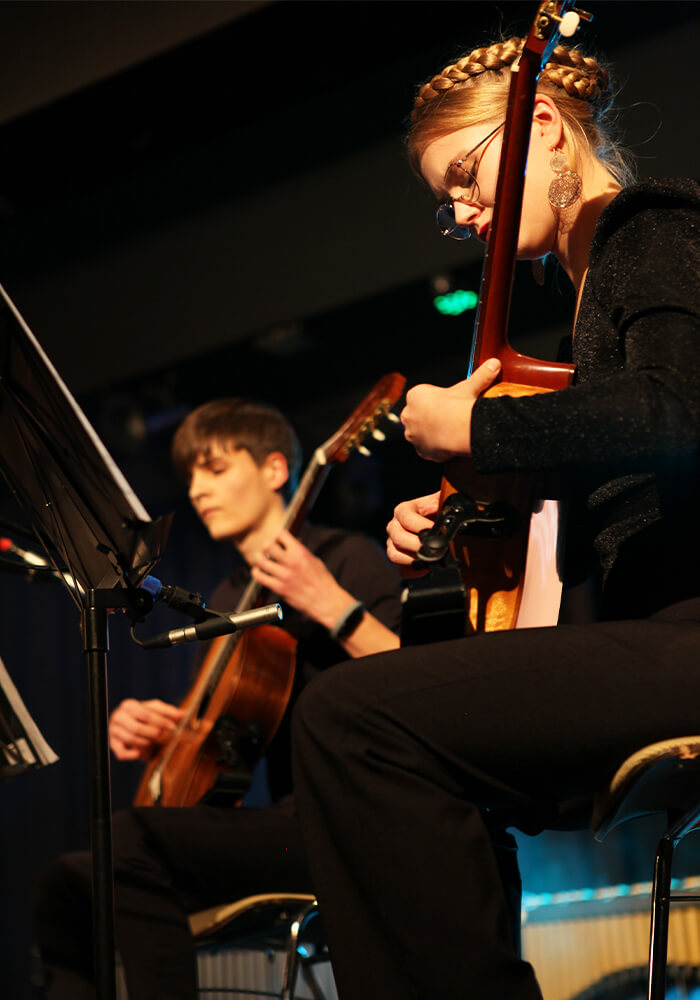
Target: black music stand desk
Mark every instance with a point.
(88, 518)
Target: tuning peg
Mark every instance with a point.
(392, 417)
(378, 435)
(568, 24)
(363, 450)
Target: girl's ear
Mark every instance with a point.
(546, 121)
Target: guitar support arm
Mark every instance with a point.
(461, 515)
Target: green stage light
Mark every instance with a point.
(455, 303)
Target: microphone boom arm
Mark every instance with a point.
(215, 625)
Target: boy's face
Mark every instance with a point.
(232, 495)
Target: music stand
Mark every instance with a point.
(82, 510)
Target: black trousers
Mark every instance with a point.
(409, 765)
(167, 863)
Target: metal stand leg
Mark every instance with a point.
(660, 903)
(96, 644)
(291, 967)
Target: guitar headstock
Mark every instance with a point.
(363, 421)
(555, 19)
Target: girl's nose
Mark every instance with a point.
(465, 214)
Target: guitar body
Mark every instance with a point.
(253, 691)
(498, 572)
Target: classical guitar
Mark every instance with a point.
(501, 533)
(241, 691)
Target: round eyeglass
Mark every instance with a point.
(445, 215)
(447, 224)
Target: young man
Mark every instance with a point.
(240, 460)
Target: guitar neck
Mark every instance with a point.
(491, 331)
(491, 334)
(361, 422)
(304, 497)
(307, 491)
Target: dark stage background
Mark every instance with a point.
(203, 199)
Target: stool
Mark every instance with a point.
(663, 777)
(273, 921)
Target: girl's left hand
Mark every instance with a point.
(437, 421)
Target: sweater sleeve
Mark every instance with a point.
(636, 403)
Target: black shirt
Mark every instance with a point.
(361, 568)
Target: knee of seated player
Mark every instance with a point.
(66, 878)
(333, 710)
(138, 858)
(346, 713)
(319, 708)
(62, 907)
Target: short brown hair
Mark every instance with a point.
(239, 423)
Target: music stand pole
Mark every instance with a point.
(96, 646)
(84, 509)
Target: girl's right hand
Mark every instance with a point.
(410, 518)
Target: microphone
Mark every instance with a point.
(218, 624)
(175, 597)
(30, 559)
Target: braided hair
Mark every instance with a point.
(474, 89)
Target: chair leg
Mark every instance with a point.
(660, 903)
(307, 972)
(291, 966)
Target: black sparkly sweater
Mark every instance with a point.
(624, 437)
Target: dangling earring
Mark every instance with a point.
(566, 186)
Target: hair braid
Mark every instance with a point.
(474, 88)
(495, 58)
(579, 75)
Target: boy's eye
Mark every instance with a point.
(214, 468)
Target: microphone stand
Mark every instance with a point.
(95, 633)
(95, 630)
(136, 602)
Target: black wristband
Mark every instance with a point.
(348, 621)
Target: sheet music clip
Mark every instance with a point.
(22, 747)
